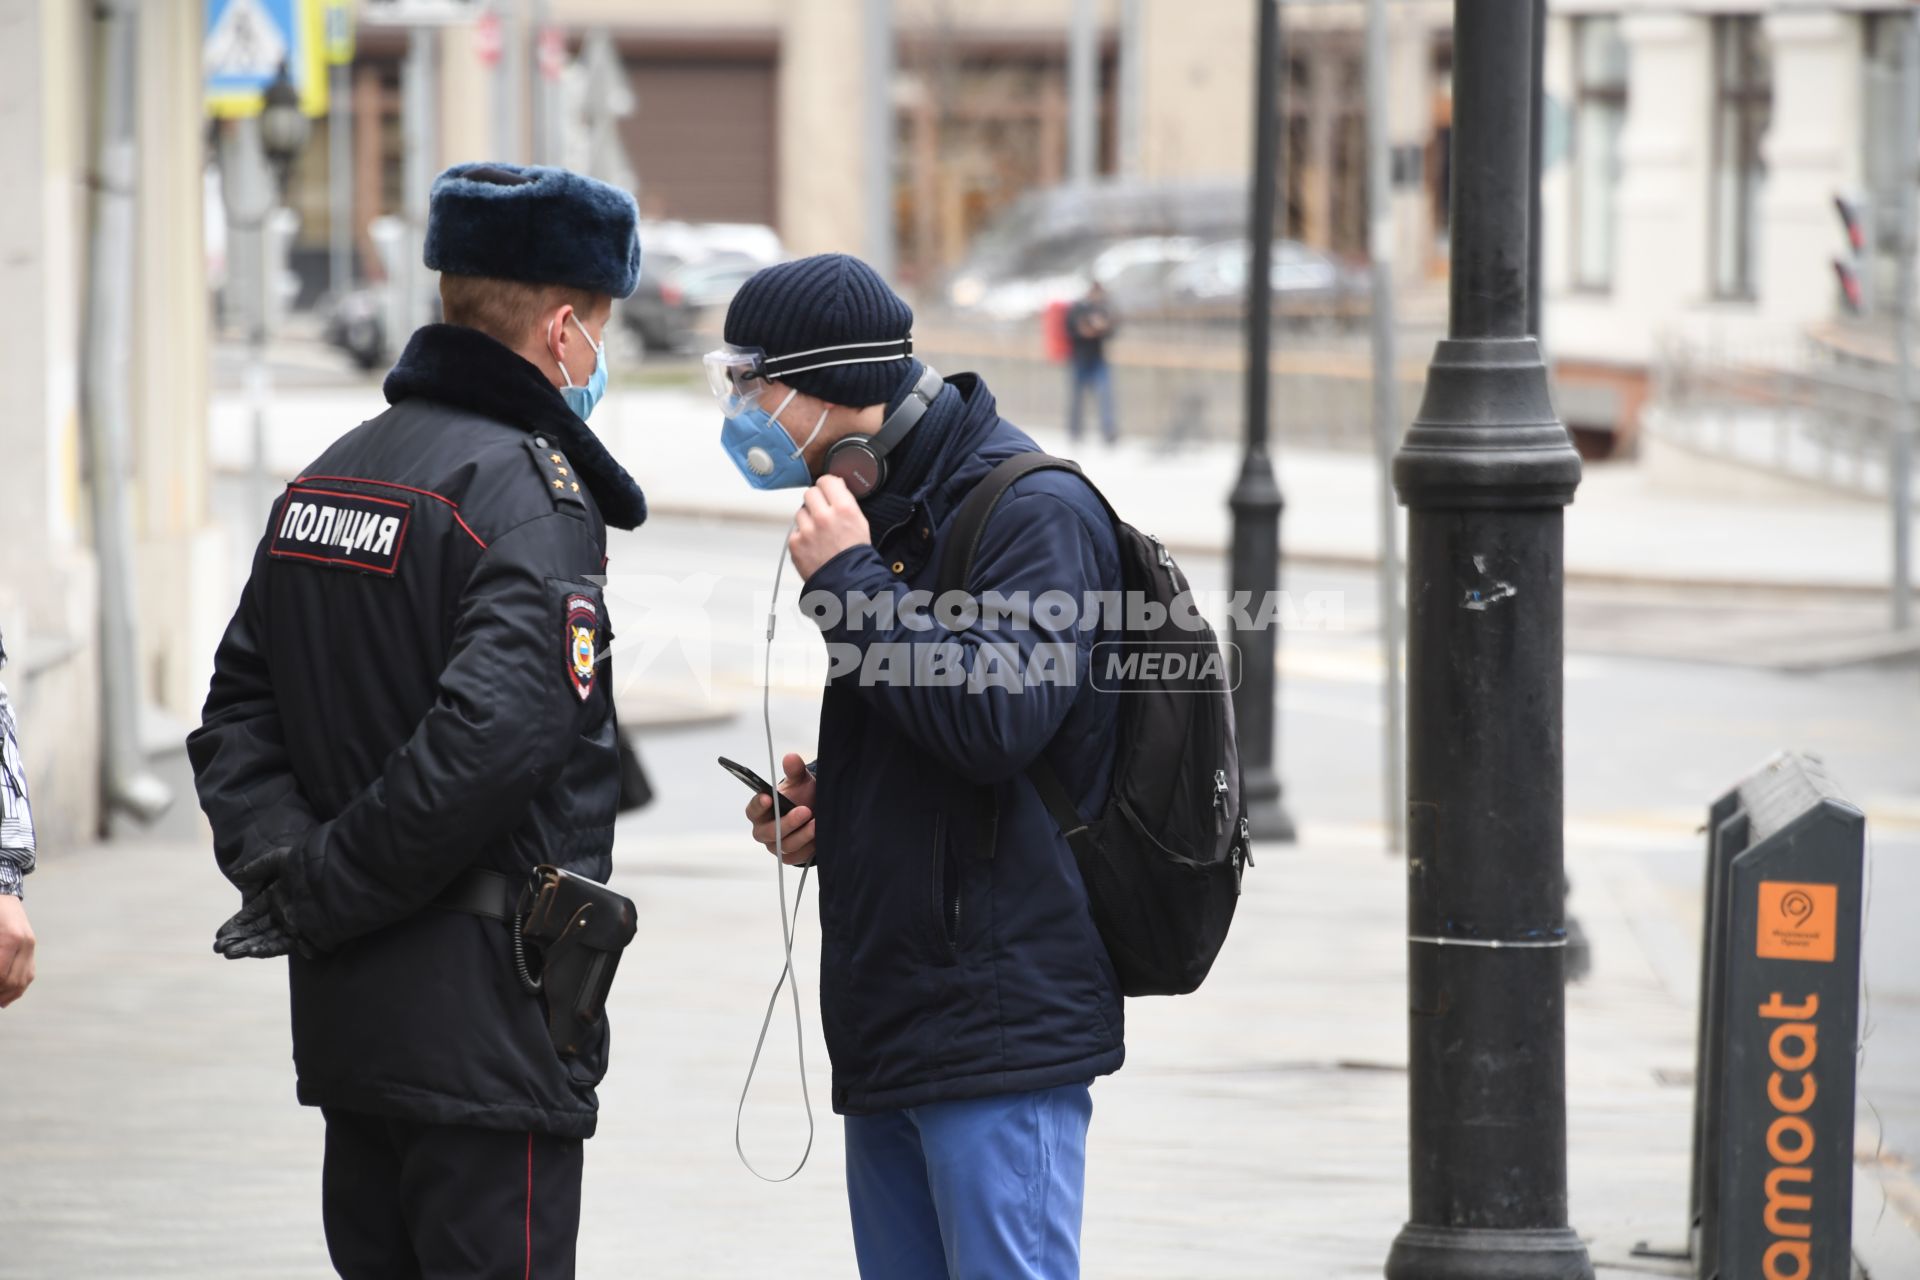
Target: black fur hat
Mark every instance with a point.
(535, 224)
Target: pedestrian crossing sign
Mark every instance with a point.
(245, 44)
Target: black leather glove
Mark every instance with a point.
(262, 928)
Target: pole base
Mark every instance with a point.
(1474, 1253)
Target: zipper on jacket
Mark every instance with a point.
(897, 526)
(954, 938)
(946, 904)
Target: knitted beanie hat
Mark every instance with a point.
(829, 300)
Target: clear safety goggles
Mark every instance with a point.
(738, 376)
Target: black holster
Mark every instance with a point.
(575, 929)
(579, 927)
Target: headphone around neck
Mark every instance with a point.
(861, 461)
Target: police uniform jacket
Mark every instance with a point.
(414, 685)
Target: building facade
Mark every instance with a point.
(750, 110)
(1693, 150)
(49, 609)
(1701, 150)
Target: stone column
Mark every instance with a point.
(1663, 211)
(1411, 88)
(821, 148)
(466, 95)
(181, 589)
(1197, 72)
(1813, 151)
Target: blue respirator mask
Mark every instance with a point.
(739, 378)
(582, 399)
(762, 449)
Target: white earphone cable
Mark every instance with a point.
(788, 924)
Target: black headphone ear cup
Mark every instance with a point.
(857, 465)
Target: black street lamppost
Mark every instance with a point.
(1255, 501)
(1486, 471)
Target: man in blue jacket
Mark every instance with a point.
(967, 999)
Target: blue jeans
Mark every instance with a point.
(986, 1189)
(1098, 377)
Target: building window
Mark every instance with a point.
(1600, 113)
(1326, 152)
(1742, 108)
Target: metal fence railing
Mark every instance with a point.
(1821, 408)
(1176, 384)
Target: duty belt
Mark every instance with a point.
(482, 893)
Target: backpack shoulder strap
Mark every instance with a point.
(1060, 806)
(956, 564)
(963, 538)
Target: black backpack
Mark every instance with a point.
(1163, 859)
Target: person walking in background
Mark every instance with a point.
(1089, 324)
(16, 857)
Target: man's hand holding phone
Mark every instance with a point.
(797, 828)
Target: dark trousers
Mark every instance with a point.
(403, 1200)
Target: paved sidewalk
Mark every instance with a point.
(1621, 527)
(1257, 1130)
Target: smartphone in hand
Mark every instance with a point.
(754, 782)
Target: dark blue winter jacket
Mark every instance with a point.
(958, 957)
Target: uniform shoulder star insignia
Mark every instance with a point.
(556, 473)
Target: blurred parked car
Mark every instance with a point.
(1307, 284)
(667, 310)
(1135, 272)
(693, 241)
(647, 312)
(687, 268)
(1043, 245)
(1174, 251)
(1138, 274)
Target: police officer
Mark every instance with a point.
(411, 708)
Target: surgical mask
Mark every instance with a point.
(582, 399)
(763, 450)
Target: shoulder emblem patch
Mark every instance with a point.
(340, 530)
(583, 628)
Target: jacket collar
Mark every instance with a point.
(467, 369)
(941, 457)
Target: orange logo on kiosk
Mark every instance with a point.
(1797, 921)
